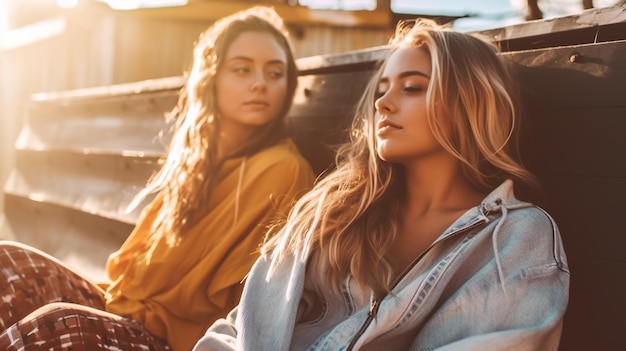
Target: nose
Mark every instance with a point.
(259, 82)
(384, 105)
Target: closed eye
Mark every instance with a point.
(413, 89)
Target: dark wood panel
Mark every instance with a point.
(329, 95)
(580, 76)
(575, 141)
(318, 138)
(590, 214)
(322, 113)
(596, 313)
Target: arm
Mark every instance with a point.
(529, 319)
(265, 317)
(221, 336)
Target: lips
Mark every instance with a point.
(257, 102)
(385, 125)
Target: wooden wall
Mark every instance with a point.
(577, 147)
(92, 46)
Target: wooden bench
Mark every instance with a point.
(82, 155)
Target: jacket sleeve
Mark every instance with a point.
(221, 336)
(533, 322)
(518, 306)
(265, 318)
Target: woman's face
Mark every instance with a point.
(251, 84)
(402, 130)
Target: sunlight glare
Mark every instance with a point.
(340, 4)
(137, 4)
(67, 4)
(4, 9)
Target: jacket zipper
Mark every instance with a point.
(370, 316)
(377, 301)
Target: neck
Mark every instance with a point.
(232, 137)
(439, 185)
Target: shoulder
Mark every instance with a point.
(282, 149)
(516, 215)
(531, 219)
(281, 158)
(531, 232)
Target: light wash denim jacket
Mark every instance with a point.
(496, 279)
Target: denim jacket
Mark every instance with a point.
(496, 279)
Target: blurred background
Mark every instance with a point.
(59, 45)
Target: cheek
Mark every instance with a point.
(226, 98)
(227, 89)
(220, 98)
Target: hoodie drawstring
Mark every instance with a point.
(494, 239)
(238, 192)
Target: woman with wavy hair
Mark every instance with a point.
(230, 171)
(416, 241)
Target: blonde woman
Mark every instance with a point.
(416, 241)
(230, 171)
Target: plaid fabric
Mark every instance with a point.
(30, 279)
(47, 306)
(61, 326)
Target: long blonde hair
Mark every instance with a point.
(349, 218)
(190, 165)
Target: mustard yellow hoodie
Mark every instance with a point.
(177, 292)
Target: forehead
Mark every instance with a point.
(407, 59)
(257, 46)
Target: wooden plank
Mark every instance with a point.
(590, 26)
(81, 240)
(363, 60)
(169, 84)
(110, 121)
(101, 185)
(578, 76)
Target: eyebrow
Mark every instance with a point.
(245, 58)
(406, 74)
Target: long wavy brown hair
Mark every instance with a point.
(186, 177)
(350, 217)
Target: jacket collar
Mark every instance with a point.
(502, 196)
